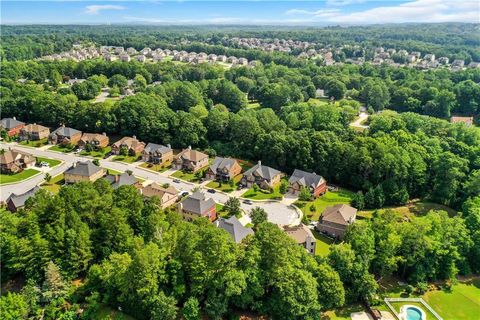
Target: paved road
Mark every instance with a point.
(278, 212)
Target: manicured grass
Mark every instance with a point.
(127, 159)
(63, 149)
(36, 144)
(11, 178)
(51, 162)
(107, 313)
(419, 209)
(225, 186)
(329, 199)
(54, 184)
(96, 153)
(342, 313)
(264, 194)
(219, 208)
(322, 247)
(398, 305)
(157, 167)
(187, 176)
(113, 172)
(253, 105)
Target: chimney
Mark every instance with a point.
(259, 162)
(14, 118)
(134, 137)
(103, 133)
(169, 146)
(189, 147)
(74, 164)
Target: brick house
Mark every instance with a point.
(467, 120)
(301, 179)
(34, 132)
(14, 161)
(64, 136)
(190, 160)
(83, 171)
(265, 177)
(335, 220)
(223, 169)
(96, 140)
(17, 201)
(196, 206)
(131, 144)
(157, 153)
(124, 179)
(12, 126)
(303, 236)
(168, 196)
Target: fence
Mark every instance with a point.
(420, 300)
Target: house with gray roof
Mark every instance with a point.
(223, 169)
(263, 176)
(335, 220)
(17, 201)
(124, 179)
(157, 153)
(65, 135)
(234, 227)
(83, 171)
(303, 236)
(11, 125)
(302, 179)
(198, 205)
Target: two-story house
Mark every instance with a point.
(12, 126)
(64, 136)
(14, 161)
(34, 132)
(167, 195)
(263, 176)
(83, 171)
(335, 220)
(190, 160)
(196, 206)
(303, 236)
(96, 140)
(223, 169)
(131, 144)
(157, 153)
(302, 179)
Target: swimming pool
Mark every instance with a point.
(414, 313)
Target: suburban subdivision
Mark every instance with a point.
(288, 165)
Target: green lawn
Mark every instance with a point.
(54, 184)
(157, 167)
(63, 149)
(107, 313)
(51, 162)
(127, 159)
(96, 153)
(11, 178)
(113, 172)
(219, 208)
(322, 247)
(264, 194)
(187, 176)
(225, 186)
(342, 313)
(419, 209)
(36, 144)
(329, 199)
(253, 105)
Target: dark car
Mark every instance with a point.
(211, 190)
(176, 180)
(248, 201)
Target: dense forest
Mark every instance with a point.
(90, 246)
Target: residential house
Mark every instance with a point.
(458, 63)
(303, 236)
(12, 126)
(242, 61)
(124, 179)
(443, 60)
(131, 144)
(124, 57)
(265, 177)
(83, 171)
(168, 196)
(411, 58)
(65, 135)
(157, 153)
(467, 120)
(335, 220)
(141, 58)
(196, 206)
(234, 227)
(190, 160)
(96, 140)
(14, 161)
(17, 201)
(34, 132)
(301, 179)
(223, 169)
(429, 57)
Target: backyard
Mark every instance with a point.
(54, 184)
(108, 313)
(35, 144)
(100, 153)
(417, 208)
(329, 199)
(17, 177)
(322, 247)
(51, 162)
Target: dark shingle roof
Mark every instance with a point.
(85, 169)
(263, 171)
(20, 199)
(339, 213)
(197, 203)
(234, 228)
(123, 179)
(153, 147)
(220, 163)
(66, 131)
(306, 179)
(9, 123)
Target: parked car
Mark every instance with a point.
(248, 201)
(176, 180)
(184, 194)
(211, 190)
(44, 164)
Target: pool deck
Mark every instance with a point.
(406, 300)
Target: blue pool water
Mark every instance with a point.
(414, 314)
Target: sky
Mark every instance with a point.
(259, 12)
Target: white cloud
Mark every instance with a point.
(413, 11)
(343, 2)
(95, 9)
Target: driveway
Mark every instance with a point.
(358, 122)
(278, 212)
